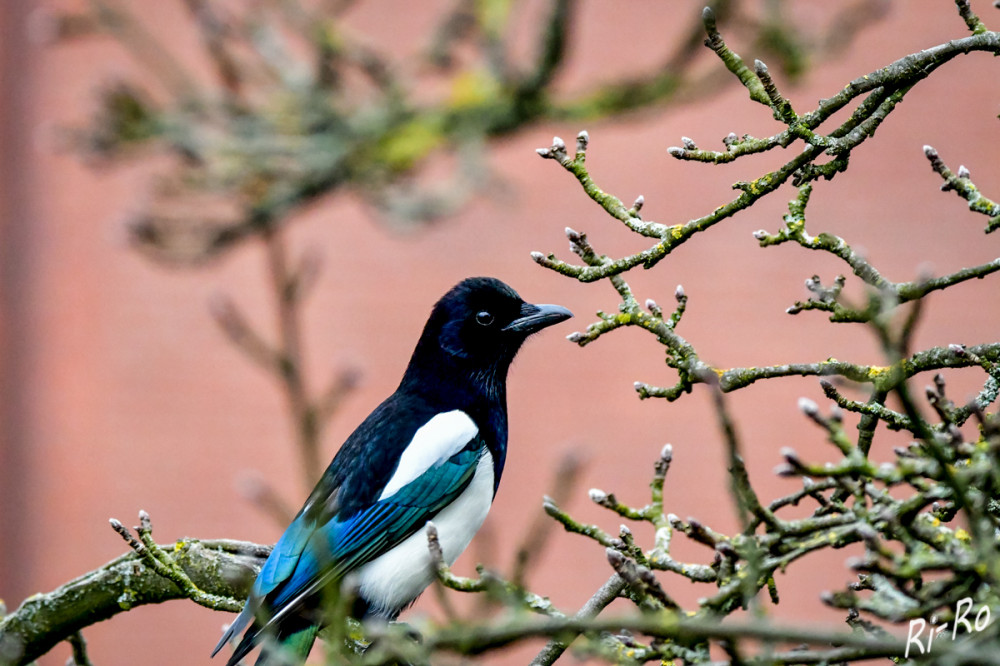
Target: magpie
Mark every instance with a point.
(433, 450)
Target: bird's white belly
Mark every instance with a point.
(394, 579)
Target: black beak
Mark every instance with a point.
(536, 317)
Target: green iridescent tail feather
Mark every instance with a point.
(290, 650)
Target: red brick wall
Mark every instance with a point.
(120, 394)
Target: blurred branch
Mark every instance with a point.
(667, 625)
(285, 362)
(255, 489)
(301, 106)
(540, 530)
(141, 44)
(302, 413)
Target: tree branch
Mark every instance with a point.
(220, 567)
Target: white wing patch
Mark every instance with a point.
(437, 440)
(394, 579)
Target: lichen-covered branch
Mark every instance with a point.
(926, 520)
(222, 568)
(961, 184)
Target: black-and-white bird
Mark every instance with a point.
(433, 450)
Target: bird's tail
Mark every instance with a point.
(288, 650)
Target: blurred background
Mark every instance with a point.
(118, 260)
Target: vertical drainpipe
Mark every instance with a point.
(16, 287)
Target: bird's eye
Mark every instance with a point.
(484, 318)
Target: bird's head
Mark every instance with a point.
(483, 318)
(481, 323)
